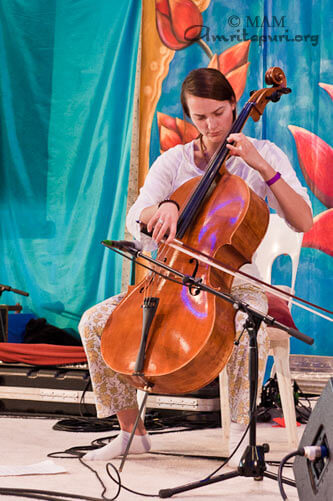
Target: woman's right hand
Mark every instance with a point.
(164, 222)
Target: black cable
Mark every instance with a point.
(281, 466)
(121, 486)
(91, 424)
(276, 463)
(182, 455)
(311, 452)
(85, 389)
(86, 424)
(118, 482)
(47, 495)
(100, 442)
(79, 451)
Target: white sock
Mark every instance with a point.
(236, 433)
(117, 447)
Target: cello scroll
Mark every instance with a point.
(274, 76)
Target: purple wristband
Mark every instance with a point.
(273, 180)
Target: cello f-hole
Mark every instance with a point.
(194, 260)
(193, 290)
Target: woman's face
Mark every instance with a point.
(212, 118)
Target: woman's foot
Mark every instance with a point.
(236, 433)
(117, 447)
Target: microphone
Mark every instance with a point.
(8, 288)
(124, 245)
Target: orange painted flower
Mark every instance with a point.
(232, 58)
(174, 131)
(328, 88)
(320, 235)
(233, 63)
(316, 159)
(178, 22)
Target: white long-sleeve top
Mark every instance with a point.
(176, 166)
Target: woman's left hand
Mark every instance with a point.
(295, 209)
(243, 147)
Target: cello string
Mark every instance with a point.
(162, 255)
(134, 260)
(155, 277)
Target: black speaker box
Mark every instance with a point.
(314, 479)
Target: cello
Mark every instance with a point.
(190, 333)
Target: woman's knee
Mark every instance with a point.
(86, 319)
(96, 317)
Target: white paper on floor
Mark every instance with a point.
(46, 467)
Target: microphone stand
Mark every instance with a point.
(6, 308)
(252, 463)
(4, 288)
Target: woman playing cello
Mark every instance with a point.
(209, 101)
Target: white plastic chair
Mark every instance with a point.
(279, 239)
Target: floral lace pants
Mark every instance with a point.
(112, 394)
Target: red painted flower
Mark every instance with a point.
(316, 159)
(328, 88)
(233, 63)
(174, 131)
(179, 22)
(320, 235)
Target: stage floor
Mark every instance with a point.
(26, 441)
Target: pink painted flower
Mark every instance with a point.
(320, 235)
(328, 88)
(316, 159)
(174, 131)
(233, 63)
(178, 22)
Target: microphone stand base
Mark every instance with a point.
(252, 464)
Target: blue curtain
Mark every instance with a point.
(67, 83)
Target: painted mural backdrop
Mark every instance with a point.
(243, 41)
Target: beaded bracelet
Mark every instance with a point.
(273, 180)
(171, 201)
